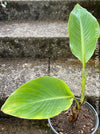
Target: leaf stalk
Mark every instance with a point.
(84, 75)
(77, 102)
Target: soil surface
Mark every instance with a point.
(83, 125)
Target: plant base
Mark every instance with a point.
(86, 123)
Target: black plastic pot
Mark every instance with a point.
(90, 107)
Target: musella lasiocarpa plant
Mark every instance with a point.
(46, 97)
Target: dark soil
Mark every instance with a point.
(83, 125)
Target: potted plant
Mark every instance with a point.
(46, 97)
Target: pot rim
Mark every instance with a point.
(95, 115)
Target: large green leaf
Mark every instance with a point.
(40, 98)
(83, 33)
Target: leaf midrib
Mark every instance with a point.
(50, 99)
(82, 43)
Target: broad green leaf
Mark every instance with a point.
(83, 33)
(40, 98)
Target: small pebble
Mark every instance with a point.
(81, 131)
(60, 133)
(84, 126)
(92, 129)
(48, 125)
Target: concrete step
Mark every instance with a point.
(33, 29)
(70, 71)
(45, 10)
(15, 72)
(22, 126)
(35, 39)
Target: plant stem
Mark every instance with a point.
(84, 74)
(77, 102)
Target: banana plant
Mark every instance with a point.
(46, 97)
(83, 33)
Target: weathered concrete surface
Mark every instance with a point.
(15, 72)
(45, 10)
(34, 39)
(22, 126)
(33, 29)
(34, 47)
(70, 71)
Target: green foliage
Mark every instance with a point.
(46, 97)
(83, 30)
(83, 33)
(40, 98)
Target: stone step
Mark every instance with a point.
(35, 39)
(13, 125)
(37, 29)
(45, 10)
(15, 72)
